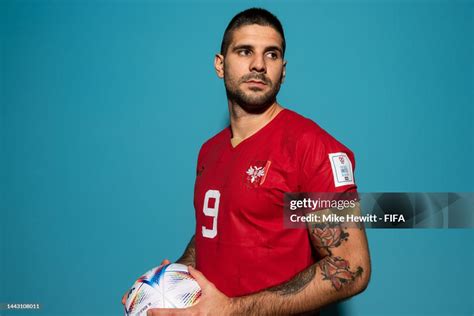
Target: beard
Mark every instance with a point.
(256, 102)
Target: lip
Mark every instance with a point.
(256, 82)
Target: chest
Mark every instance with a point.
(240, 191)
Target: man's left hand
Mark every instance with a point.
(212, 301)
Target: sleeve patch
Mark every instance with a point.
(341, 169)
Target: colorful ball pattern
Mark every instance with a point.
(166, 286)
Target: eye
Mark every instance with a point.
(244, 52)
(272, 55)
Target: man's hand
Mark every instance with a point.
(124, 297)
(212, 301)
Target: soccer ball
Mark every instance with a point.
(166, 286)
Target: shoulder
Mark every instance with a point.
(309, 135)
(215, 142)
(325, 164)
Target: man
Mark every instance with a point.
(245, 260)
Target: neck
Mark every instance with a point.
(244, 124)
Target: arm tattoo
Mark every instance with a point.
(333, 268)
(336, 269)
(297, 284)
(328, 236)
(189, 255)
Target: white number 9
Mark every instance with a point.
(212, 212)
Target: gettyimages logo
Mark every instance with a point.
(380, 210)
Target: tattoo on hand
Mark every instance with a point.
(297, 284)
(336, 269)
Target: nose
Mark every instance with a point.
(258, 64)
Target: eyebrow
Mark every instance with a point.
(250, 47)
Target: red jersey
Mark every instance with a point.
(241, 243)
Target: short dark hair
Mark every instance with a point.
(252, 16)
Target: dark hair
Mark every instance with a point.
(251, 16)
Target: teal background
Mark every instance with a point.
(104, 106)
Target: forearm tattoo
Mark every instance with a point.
(337, 270)
(328, 236)
(297, 284)
(333, 268)
(189, 255)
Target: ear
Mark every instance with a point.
(283, 72)
(219, 65)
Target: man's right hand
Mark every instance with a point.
(124, 297)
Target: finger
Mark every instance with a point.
(199, 277)
(166, 261)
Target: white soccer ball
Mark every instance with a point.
(166, 286)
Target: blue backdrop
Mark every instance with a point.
(104, 106)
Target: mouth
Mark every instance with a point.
(257, 83)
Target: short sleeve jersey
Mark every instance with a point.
(242, 245)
